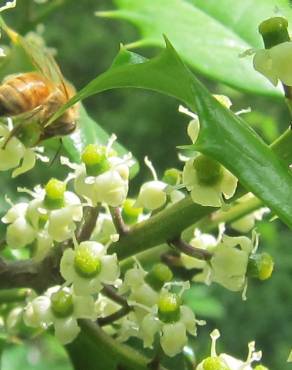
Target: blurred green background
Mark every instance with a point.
(149, 124)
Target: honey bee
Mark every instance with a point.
(36, 96)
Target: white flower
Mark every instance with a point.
(88, 266)
(17, 210)
(275, 63)
(60, 221)
(229, 262)
(207, 180)
(20, 233)
(110, 187)
(42, 245)
(172, 321)
(228, 265)
(152, 195)
(227, 362)
(194, 125)
(247, 223)
(105, 229)
(201, 241)
(59, 307)
(14, 154)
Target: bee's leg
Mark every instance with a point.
(21, 120)
(12, 133)
(57, 152)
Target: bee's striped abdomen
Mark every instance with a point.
(23, 93)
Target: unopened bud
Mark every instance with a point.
(159, 275)
(130, 213)
(274, 31)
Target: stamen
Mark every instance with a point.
(186, 111)
(151, 168)
(214, 336)
(110, 143)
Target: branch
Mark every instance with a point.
(188, 249)
(103, 321)
(29, 274)
(118, 355)
(86, 229)
(142, 237)
(118, 221)
(111, 293)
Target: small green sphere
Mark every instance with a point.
(86, 263)
(169, 307)
(62, 303)
(209, 171)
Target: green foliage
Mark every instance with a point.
(205, 34)
(223, 134)
(261, 173)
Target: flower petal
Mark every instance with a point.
(148, 328)
(206, 196)
(109, 269)
(228, 184)
(262, 62)
(173, 338)
(84, 307)
(188, 318)
(67, 265)
(28, 162)
(66, 330)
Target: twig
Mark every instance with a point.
(111, 293)
(188, 249)
(86, 229)
(118, 221)
(102, 321)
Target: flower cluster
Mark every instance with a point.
(233, 260)
(51, 216)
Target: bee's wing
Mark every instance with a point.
(40, 58)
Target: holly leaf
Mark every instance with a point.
(206, 36)
(223, 136)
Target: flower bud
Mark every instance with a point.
(274, 31)
(159, 275)
(260, 266)
(172, 176)
(20, 233)
(152, 195)
(111, 188)
(130, 213)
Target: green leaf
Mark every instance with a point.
(223, 135)
(208, 35)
